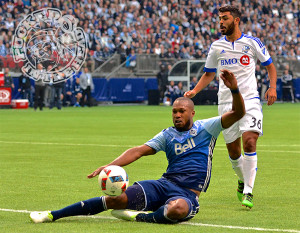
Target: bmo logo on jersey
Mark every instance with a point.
(179, 148)
(226, 62)
(245, 60)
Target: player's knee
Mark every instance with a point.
(177, 209)
(234, 149)
(250, 144)
(118, 202)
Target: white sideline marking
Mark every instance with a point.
(184, 223)
(241, 228)
(129, 146)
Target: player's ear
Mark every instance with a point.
(237, 20)
(193, 113)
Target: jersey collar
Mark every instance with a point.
(237, 39)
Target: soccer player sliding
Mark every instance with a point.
(174, 197)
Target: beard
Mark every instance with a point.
(229, 30)
(185, 127)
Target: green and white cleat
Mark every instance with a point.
(39, 217)
(240, 190)
(247, 200)
(127, 215)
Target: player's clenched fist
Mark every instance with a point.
(190, 94)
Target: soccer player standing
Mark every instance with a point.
(238, 53)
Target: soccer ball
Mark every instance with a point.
(113, 180)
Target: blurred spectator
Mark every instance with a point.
(169, 93)
(2, 49)
(87, 87)
(162, 80)
(131, 60)
(122, 51)
(56, 90)
(214, 84)
(287, 86)
(77, 92)
(25, 89)
(39, 90)
(193, 83)
(48, 86)
(98, 56)
(8, 80)
(264, 84)
(68, 99)
(178, 91)
(258, 77)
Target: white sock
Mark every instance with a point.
(250, 167)
(237, 165)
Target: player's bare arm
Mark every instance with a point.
(205, 79)
(238, 106)
(126, 158)
(271, 94)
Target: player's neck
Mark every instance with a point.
(234, 36)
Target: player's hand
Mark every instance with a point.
(229, 79)
(96, 172)
(271, 96)
(190, 94)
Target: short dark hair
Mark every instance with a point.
(234, 11)
(189, 102)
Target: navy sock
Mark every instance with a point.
(159, 216)
(89, 207)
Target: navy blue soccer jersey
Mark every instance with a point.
(189, 153)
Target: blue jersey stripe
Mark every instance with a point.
(255, 39)
(268, 62)
(210, 69)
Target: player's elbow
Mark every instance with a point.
(239, 113)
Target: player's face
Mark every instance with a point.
(182, 115)
(226, 23)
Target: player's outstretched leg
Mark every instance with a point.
(89, 207)
(158, 216)
(128, 215)
(43, 216)
(175, 210)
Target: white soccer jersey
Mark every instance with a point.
(240, 58)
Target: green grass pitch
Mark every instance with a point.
(45, 157)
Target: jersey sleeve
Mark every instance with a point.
(213, 125)
(158, 142)
(211, 63)
(262, 53)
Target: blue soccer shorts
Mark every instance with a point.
(157, 193)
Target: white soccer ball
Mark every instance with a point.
(113, 180)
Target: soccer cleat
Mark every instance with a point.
(247, 200)
(39, 217)
(127, 215)
(240, 190)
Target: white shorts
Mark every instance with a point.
(252, 121)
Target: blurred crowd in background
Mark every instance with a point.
(169, 28)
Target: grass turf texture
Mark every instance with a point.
(45, 157)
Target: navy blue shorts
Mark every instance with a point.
(160, 192)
